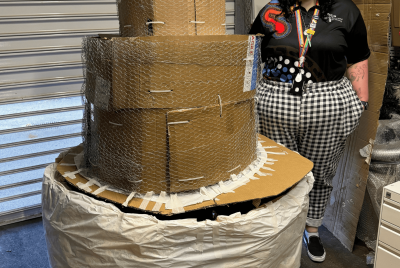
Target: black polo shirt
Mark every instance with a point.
(340, 38)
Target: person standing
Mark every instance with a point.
(306, 101)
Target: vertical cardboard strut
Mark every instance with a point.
(341, 216)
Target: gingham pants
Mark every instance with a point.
(315, 124)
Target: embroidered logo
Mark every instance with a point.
(275, 23)
(332, 17)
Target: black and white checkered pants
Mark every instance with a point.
(315, 124)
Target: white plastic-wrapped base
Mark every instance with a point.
(84, 232)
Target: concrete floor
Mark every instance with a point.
(23, 245)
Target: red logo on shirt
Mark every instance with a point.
(274, 22)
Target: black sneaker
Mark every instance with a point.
(315, 249)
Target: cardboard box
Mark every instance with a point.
(171, 72)
(395, 23)
(283, 178)
(142, 150)
(171, 18)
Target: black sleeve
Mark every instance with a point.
(357, 43)
(257, 27)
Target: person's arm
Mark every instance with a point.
(358, 75)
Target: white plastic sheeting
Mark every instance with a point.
(84, 232)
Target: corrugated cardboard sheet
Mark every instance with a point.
(168, 72)
(171, 18)
(282, 179)
(143, 150)
(342, 214)
(225, 137)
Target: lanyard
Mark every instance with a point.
(304, 45)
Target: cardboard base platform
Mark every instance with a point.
(288, 169)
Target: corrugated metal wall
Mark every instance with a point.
(40, 82)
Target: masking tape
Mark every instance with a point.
(72, 174)
(160, 200)
(278, 153)
(146, 200)
(128, 199)
(86, 186)
(267, 168)
(176, 204)
(100, 190)
(204, 191)
(234, 177)
(224, 188)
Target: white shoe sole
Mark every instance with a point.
(312, 257)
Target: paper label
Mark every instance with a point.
(251, 72)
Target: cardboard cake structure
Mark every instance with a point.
(170, 113)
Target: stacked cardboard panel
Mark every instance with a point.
(171, 18)
(170, 105)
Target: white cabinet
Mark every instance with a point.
(388, 246)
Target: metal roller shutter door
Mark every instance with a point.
(40, 83)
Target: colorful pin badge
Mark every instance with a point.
(309, 31)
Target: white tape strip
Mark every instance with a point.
(250, 176)
(128, 199)
(180, 122)
(146, 200)
(192, 179)
(100, 190)
(155, 22)
(86, 186)
(176, 204)
(252, 168)
(259, 173)
(234, 177)
(223, 188)
(115, 124)
(267, 168)
(160, 91)
(160, 201)
(204, 191)
(193, 21)
(270, 147)
(234, 169)
(72, 174)
(279, 153)
(67, 164)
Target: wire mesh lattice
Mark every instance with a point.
(169, 113)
